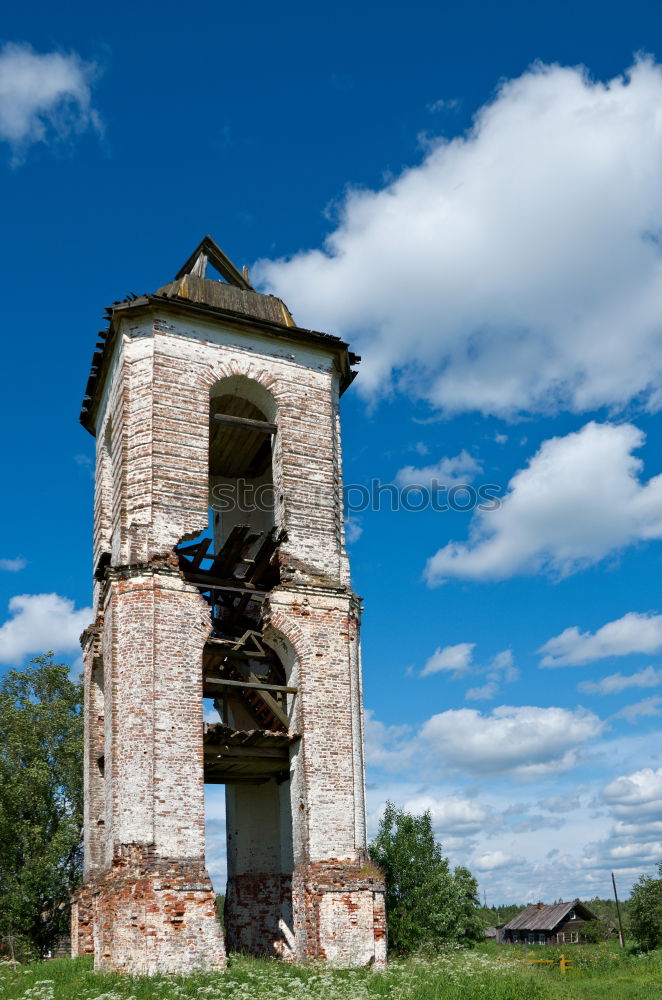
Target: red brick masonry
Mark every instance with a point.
(151, 913)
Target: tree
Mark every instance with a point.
(427, 904)
(593, 931)
(494, 916)
(606, 911)
(646, 911)
(41, 801)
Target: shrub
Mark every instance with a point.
(595, 930)
(427, 904)
(646, 911)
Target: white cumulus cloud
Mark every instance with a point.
(527, 742)
(615, 683)
(501, 669)
(633, 633)
(640, 710)
(451, 814)
(453, 471)
(493, 860)
(353, 529)
(388, 747)
(517, 267)
(451, 659)
(39, 623)
(483, 692)
(12, 565)
(636, 796)
(579, 499)
(635, 839)
(563, 803)
(43, 96)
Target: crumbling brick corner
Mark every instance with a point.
(342, 918)
(154, 915)
(82, 921)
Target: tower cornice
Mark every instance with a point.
(159, 304)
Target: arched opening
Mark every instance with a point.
(249, 741)
(252, 751)
(242, 427)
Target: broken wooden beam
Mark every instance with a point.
(235, 651)
(262, 561)
(253, 685)
(196, 552)
(238, 541)
(203, 583)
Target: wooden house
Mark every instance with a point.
(559, 923)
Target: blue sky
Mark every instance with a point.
(482, 220)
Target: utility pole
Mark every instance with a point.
(621, 936)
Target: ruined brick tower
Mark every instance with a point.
(221, 573)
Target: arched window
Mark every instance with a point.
(242, 427)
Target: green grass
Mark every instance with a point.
(598, 972)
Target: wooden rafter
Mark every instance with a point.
(246, 757)
(209, 249)
(252, 685)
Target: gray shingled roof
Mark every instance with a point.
(539, 917)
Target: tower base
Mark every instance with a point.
(340, 913)
(153, 915)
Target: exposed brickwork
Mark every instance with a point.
(340, 913)
(258, 914)
(155, 914)
(82, 921)
(297, 882)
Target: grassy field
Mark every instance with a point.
(488, 973)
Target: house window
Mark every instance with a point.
(572, 915)
(542, 939)
(515, 937)
(532, 938)
(574, 937)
